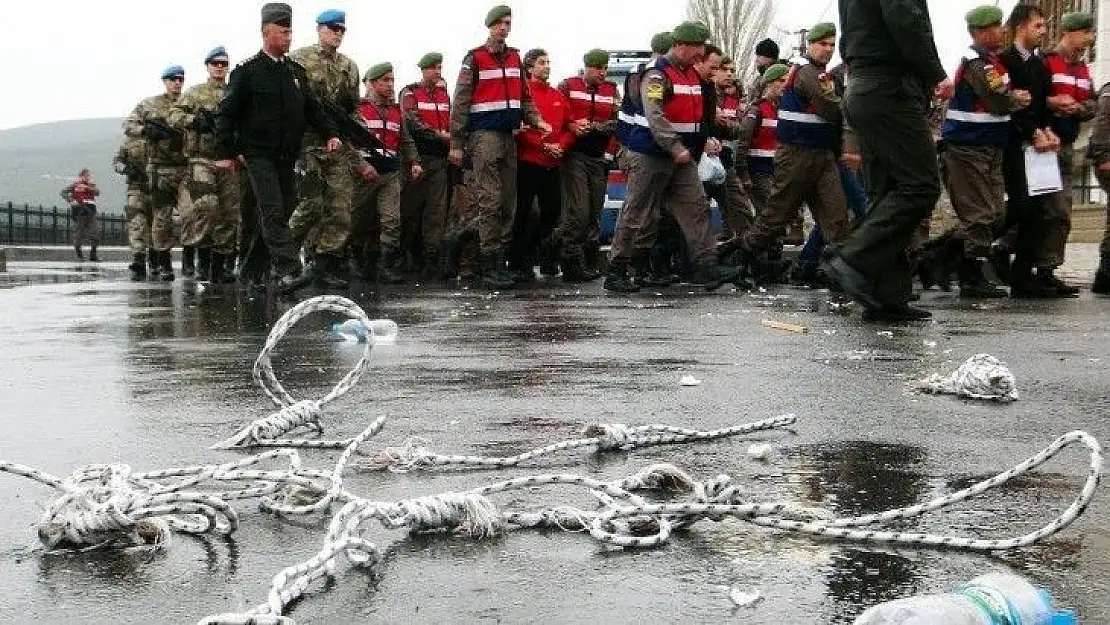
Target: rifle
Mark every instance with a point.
(204, 121)
(177, 140)
(369, 146)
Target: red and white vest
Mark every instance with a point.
(387, 128)
(495, 103)
(764, 143)
(684, 110)
(1072, 79)
(592, 105)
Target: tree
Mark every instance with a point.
(735, 26)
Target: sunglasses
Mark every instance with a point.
(218, 63)
(176, 78)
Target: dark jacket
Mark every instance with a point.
(890, 37)
(1033, 76)
(266, 110)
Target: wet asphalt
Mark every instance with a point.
(97, 369)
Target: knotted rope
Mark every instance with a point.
(980, 377)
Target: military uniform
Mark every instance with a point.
(490, 103)
(130, 162)
(326, 185)
(758, 143)
(166, 171)
(81, 196)
(730, 196)
(213, 220)
(1098, 153)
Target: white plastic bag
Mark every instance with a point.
(711, 170)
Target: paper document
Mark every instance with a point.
(1042, 172)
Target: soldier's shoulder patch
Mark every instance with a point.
(994, 79)
(654, 89)
(825, 79)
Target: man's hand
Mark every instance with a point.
(368, 172)
(683, 157)
(712, 146)
(227, 163)
(417, 171)
(580, 127)
(553, 149)
(1061, 102)
(1041, 141)
(456, 157)
(944, 89)
(544, 127)
(1053, 139)
(1021, 97)
(851, 160)
(333, 144)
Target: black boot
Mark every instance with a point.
(217, 269)
(152, 260)
(138, 266)
(165, 266)
(92, 254)
(549, 259)
(493, 276)
(1000, 263)
(387, 272)
(974, 285)
(204, 262)
(188, 261)
(327, 274)
(1102, 277)
(1024, 285)
(574, 270)
(618, 280)
(646, 276)
(80, 254)
(523, 271)
(1047, 277)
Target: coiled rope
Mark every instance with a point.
(980, 377)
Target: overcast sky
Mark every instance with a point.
(67, 59)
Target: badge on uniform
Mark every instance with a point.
(827, 84)
(654, 89)
(994, 81)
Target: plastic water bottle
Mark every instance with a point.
(985, 600)
(380, 331)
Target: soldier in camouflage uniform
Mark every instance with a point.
(210, 225)
(166, 163)
(130, 162)
(326, 185)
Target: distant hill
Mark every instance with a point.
(37, 161)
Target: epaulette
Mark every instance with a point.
(249, 59)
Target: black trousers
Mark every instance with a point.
(535, 185)
(901, 174)
(267, 232)
(1022, 210)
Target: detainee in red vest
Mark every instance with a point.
(491, 101)
(1071, 101)
(594, 104)
(427, 108)
(376, 218)
(538, 176)
(665, 135)
(81, 195)
(755, 151)
(719, 85)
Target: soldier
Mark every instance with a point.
(758, 138)
(1070, 98)
(722, 118)
(1098, 152)
(166, 163)
(664, 132)
(593, 111)
(130, 162)
(975, 133)
(326, 187)
(210, 226)
(376, 223)
(766, 55)
(427, 108)
(263, 118)
(809, 136)
(491, 100)
(894, 67)
(81, 196)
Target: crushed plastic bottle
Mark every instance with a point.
(380, 331)
(985, 600)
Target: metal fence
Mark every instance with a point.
(42, 225)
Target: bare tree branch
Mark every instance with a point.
(735, 26)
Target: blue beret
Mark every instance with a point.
(215, 53)
(173, 70)
(332, 16)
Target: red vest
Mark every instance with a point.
(388, 130)
(728, 106)
(685, 109)
(495, 103)
(1072, 79)
(592, 106)
(764, 141)
(82, 193)
(434, 108)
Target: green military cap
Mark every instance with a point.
(773, 73)
(430, 59)
(661, 43)
(984, 16)
(1077, 21)
(690, 32)
(821, 31)
(497, 13)
(596, 58)
(377, 71)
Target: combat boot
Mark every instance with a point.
(204, 262)
(188, 261)
(165, 266)
(92, 254)
(138, 267)
(574, 270)
(327, 272)
(493, 277)
(549, 259)
(711, 277)
(152, 263)
(217, 270)
(77, 250)
(974, 285)
(645, 274)
(368, 265)
(1000, 263)
(618, 280)
(1023, 285)
(1047, 277)
(387, 272)
(1102, 277)
(523, 271)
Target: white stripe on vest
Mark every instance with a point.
(433, 106)
(490, 74)
(976, 118)
(500, 105)
(803, 118)
(769, 123)
(687, 89)
(582, 95)
(761, 153)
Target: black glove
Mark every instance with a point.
(153, 132)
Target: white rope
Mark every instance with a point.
(980, 377)
(604, 437)
(627, 520)
(294, 414)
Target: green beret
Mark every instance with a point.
(1077, 21)
(377, 71)
(984, 16)
(773, 73)
(691, 32)
(661, 43)
(821, 31)
(497, 13)
(430, 59)
(596, 58)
